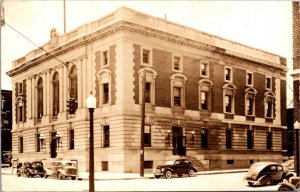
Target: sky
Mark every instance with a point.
(265, 25)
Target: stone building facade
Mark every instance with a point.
(208, 98)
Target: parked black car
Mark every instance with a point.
(31, 168)
(175, 167)
(267, 173)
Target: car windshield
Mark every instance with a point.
(70, 164)
(170, 163)
(37, 163)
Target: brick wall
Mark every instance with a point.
(239, 80)
(217, 90)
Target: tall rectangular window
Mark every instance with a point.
(269, 110)
(249, 139)
(269, 140)
(71, 139)
(106, 136)
(20, 144)
(148, 92)
(37, 141)
(177, 96)
(146, 56)
(147, 136)
(20, 114)
(268, 83)
(228, 103)
(105, 57)
(228, 138)
(20, 88)
(249, 79)
(176, 63)
(204, 100)
(249, 106)
(204, 138)
(204, 69)
(105, 93)
(228, 74)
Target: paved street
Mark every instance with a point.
(214, 182)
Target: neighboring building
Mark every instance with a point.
(218, 101)
(296, 69)
(6, 125)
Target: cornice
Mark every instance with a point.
(139, 29)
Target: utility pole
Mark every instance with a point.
(142, 125)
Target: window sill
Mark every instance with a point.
(229, 115)
(176, 109)
(205, 113)
(250, 117)
(269, 120)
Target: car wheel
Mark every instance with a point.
(285, 188)
(28, 174)
(18, 173)
(73, 178)
(60, 176)
(250, 184)
(157, 176)
(268, 181)
(168, 174)
(179, 175)
(191, 173)
(41, 175)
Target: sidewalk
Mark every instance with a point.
(103, 176)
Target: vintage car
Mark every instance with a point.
(266, 173)
(61, 170)
(30, 168)
(289, 164)
(175, 167)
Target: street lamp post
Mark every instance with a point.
(91, 105)
(297, 127)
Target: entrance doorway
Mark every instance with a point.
(178, 141)
(53, 145)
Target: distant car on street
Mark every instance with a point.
(289, 164)
(61, 170)
(30, 168)
(266, 173)
(175, 167)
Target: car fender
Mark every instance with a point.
(168, 169)
(48, 171)
(289, 175)
(62, 171)
(288, 184)
(262, 178)
(194, 169)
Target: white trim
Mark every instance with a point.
(202, 83)
(247, 91)
(272, 96)
(231, 74)
(207, 68)
(252, 79)
(268, 77)
(149, 56)
(102, 58)
(232, 87)
(180, 63)
(104, 76)
(150, 78)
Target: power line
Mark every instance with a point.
(34, 43)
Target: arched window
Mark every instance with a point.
(40, 98)
(250, 101)
(178, 90)
(205, 86)
(269, 104)
(149, 85)
(73, 82)
(55, 96)
(228, 97)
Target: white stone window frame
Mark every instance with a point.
(20, 103)
(230, 87)
(201, 84)
(150, 78)
(178, 80)
(103, 59)
(252, 80)
(268, 77)
(231, 74)
(104, 76)
(149, 56)
(271, 95)
(248, 91)
(180, 63)
(20, 88)
(207, 68)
